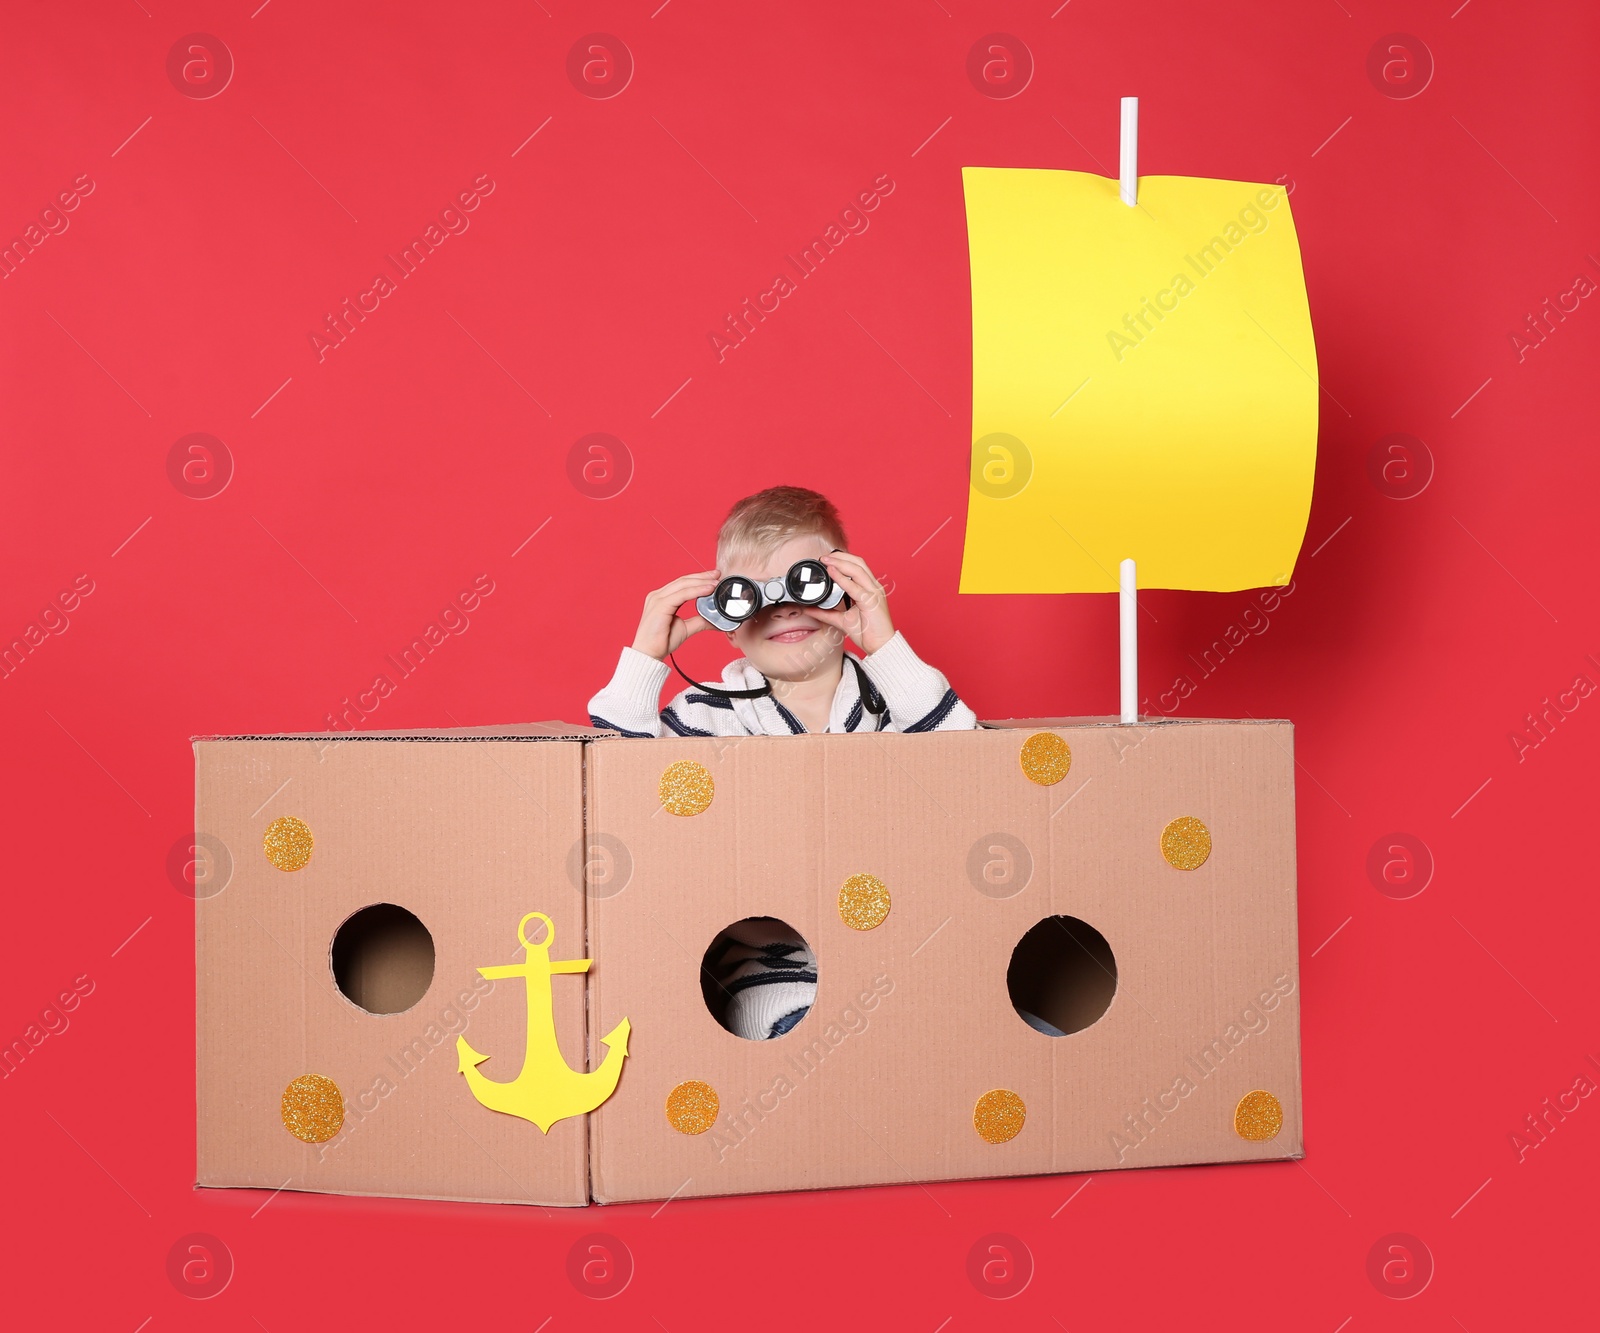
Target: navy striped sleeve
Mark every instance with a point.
(679, 725)
(941, 711)
(621, 731)
(709, 700)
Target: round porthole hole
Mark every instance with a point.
(1062, 976)
(759, 978)
(382, 959)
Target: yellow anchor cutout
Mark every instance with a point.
(547, 1089)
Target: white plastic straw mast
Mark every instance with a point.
(1130, 151)
(1128, 610)
(1128, 583)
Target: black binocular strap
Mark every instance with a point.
(871, 700)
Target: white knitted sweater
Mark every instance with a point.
(918, 698)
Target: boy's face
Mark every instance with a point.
(785, 642)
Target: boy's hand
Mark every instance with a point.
(868, 621)
(661, 628)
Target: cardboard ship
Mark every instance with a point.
(468, 964)
(1177, 986)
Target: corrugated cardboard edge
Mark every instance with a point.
(1299, 1009)
(588, 988)
(194, 926)
(509, 731)
(1143, 722)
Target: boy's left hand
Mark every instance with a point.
(868, 621)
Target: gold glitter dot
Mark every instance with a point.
(863, 902)
(686, 788)
(692, 1107)
(1186, 843)
(1045, 758)
(313, 1108)
(287, 842)
(1259, 1116)
(998, 1116)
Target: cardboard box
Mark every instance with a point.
(913, 1063)
(913, 1022)
(460, 828)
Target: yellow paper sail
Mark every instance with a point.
(1144, 383)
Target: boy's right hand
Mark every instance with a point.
(661, 629)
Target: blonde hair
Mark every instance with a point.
(759, 524)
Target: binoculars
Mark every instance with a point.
(737, 598)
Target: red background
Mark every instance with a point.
(370, 487)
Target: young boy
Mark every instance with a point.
(791, 681)
(793, 654)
